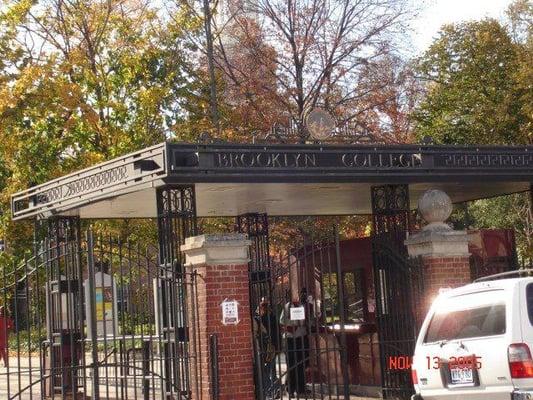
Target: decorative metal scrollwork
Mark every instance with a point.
(177, 201)
(61, 229)
(294, 132)
(176, 216)
(390, 198)
(297, 132)
(391, 214)
(253, 224)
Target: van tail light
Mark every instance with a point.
(414, 376)
(520, 361)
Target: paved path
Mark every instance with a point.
(29, 382)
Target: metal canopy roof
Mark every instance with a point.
(232, 179)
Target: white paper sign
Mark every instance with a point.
(230, 312)
(297, 313)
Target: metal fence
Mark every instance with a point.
(97, 317)
(299, 315)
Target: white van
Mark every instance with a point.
(476, 342)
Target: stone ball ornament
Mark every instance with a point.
(435, 206)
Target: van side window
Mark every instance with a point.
(529, 300)
(481, 321)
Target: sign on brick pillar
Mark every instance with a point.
(222, 308)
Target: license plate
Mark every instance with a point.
(461, 375)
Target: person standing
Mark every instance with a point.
(296, 342)
(266, 329)
(5, 325)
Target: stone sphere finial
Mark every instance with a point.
(435, 207)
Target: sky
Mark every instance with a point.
(435, 13)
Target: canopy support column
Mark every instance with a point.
(176, 220)
(396, 283)
(255, 226)
(64, 304)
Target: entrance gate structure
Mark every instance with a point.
(107, 318)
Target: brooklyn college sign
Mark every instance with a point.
(316, 160)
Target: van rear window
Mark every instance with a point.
(529, 299)
(486, 320)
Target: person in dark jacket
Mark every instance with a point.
(267, 336)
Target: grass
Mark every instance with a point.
(26, 342)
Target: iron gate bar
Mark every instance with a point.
(398, 285)
(213, 357)
(92, 306)
(195, 332)
(340, 289)
(333, 267)
(322, 290)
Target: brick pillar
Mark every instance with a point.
(445, 259)
(221, 264)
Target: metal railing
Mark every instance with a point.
(69, 332)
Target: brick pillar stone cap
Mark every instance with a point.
(218, 249)
(434, 243)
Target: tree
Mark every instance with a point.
(239, 104)
(512, 211)
(208, 22)
(254, 102)
(520, 14)
(322, 51)
(473, 92)
(393, 91)
(84, 81)
(478, 79)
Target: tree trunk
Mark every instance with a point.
(211, 66)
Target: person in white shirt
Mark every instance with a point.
(295, 335)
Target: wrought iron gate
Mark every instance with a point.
(398, 286)
(89, 318)
(299, 316)
(255, 225)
